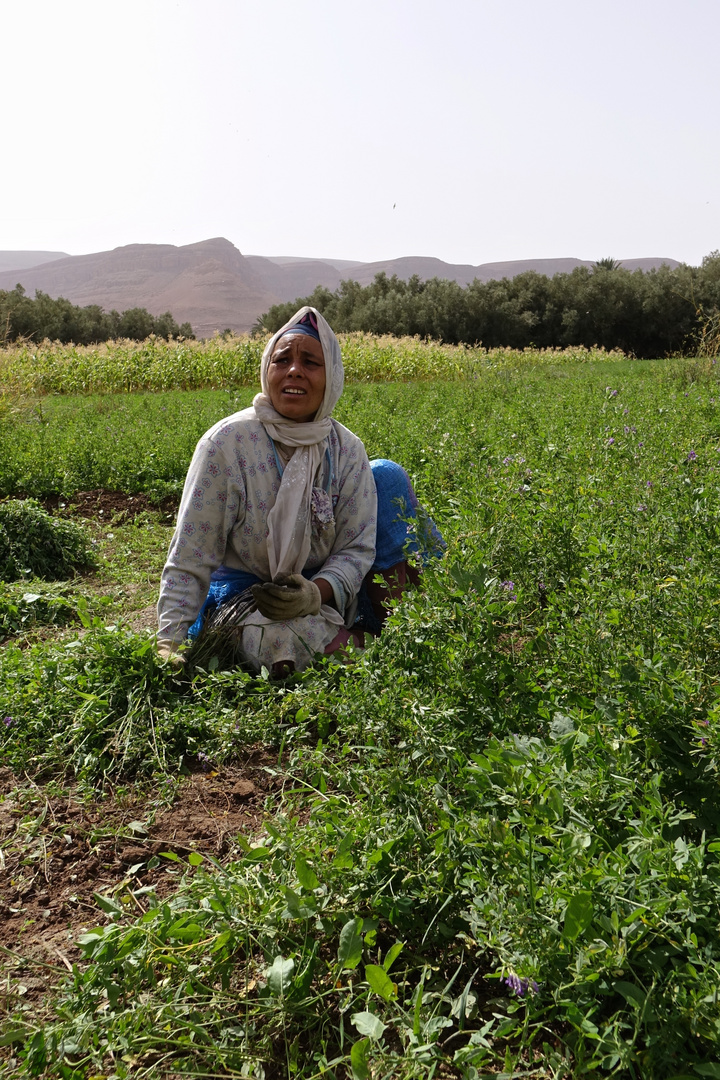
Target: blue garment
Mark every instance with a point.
(224, 583)
(400, 531)
(403, 528)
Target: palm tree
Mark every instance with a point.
(606, 264)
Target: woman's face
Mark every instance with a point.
(296, 377)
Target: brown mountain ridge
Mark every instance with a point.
(213, 286)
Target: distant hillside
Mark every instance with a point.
(21, 260)
(210, 284)
(213, 286)
(296, 277)
(463, 273)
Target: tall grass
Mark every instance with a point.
(224, 362)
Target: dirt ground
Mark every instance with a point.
(56, 851)
(144, 619)
(116, 505)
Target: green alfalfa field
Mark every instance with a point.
(488, 846)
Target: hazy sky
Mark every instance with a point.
(471, 130)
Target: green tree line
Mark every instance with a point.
(23, 318)
(646, 314)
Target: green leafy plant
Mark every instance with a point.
(35, 544)
(491, 843)
(21, 610)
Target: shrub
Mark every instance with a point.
(35, 544)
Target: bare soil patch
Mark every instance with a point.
(111, 505)
(144, 619)
(59, 850)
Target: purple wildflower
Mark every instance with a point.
(509, 587)
(610, 441)
(508, 461)
(204, 761)
(691, 456)
(648, 484)
(639, 444)
(627, 430)
(520, 987)
(8, 721)
(642, 508)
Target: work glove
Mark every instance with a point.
(168, 650)
(289, 596)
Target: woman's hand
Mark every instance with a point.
(290, 596)
(168, 650)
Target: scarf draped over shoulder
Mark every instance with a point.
(290, 520)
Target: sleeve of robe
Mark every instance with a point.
(213, 502)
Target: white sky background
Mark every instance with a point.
(471, 130)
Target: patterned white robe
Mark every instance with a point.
(230, 488)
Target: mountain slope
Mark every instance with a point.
(21, 260)
(209, 284)
(463, 273)
(213, 286)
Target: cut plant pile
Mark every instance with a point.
(33, 543)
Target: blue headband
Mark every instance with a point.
(306, 331)
(307, 326)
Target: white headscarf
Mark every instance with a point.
(290, 520)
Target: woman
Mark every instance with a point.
(280, 510)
